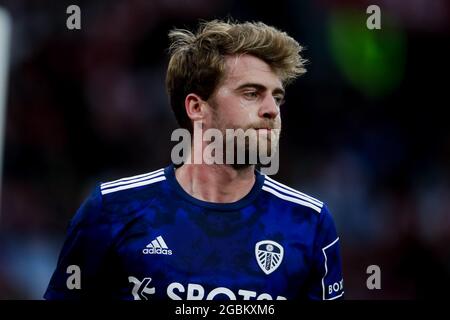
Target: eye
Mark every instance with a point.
(251, 94)
(279, 100)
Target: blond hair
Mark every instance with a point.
(197, 61)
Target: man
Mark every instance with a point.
(208, 231)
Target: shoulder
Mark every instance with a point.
(302, 207)
(119, 198)
(131, 193)
(291, 196)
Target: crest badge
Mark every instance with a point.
(269, 255)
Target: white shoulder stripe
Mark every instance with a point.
(292, 199)
(294, 194)
(134, 185)
(283, 186)
(131, 179)
(147, 177)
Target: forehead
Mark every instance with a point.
(247, 68)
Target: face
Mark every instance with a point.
(249, 97)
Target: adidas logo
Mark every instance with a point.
(157, 246)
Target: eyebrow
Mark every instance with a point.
(259, 87)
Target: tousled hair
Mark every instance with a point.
(197, 60)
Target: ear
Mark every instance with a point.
(196, 107)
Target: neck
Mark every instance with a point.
(216, 183)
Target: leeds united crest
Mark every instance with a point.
(269, 255)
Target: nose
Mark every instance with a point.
(269, 108)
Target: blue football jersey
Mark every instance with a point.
(145, 238)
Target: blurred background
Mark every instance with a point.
(365, 129)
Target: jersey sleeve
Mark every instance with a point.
(326, 282)
(83, 253)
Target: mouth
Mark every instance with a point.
(265, 132)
